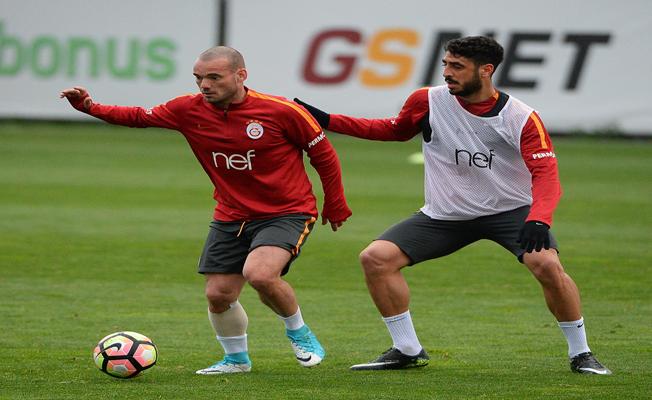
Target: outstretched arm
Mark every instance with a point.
(160, 116)
(78, 98)
(401, 128)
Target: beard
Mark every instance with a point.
(469, 88)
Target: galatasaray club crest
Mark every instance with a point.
(254, 129)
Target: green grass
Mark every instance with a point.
(101, 228)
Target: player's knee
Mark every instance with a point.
(547, 271)
(219, 300)
(259, 279)
(373, 261)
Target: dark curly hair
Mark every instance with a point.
(481, 49)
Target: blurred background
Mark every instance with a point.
(584, 65)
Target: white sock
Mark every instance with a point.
(293, 322)
(402, 332)
(234, 344)
(575, 336)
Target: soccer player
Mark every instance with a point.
(490, 173)
(251, 146)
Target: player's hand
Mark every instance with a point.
(335, 216)
(335, 225)
(78, 98)
(534, 236)
(323, 118)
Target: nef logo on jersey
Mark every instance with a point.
(477, 159)
(254, 129)
(236, 161)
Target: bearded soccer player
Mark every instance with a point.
(251, 146)
(490, 173)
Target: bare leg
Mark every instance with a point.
(262, 270)
(382, 262)
(222, 290)
(563, 300)
(559, 290)
(229, 321)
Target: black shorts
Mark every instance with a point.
(229, 243)
(423, 238)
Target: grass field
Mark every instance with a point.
(101, 228)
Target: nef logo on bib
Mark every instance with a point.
(254, 129)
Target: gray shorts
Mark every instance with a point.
(229, 243)
(423, 238)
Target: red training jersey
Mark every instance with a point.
(536, 147)
(252, 152)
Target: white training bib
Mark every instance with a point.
(473, 165)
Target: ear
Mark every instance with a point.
(486, 70)
(241, 74)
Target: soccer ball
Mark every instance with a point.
(125, 354)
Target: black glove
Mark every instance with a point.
(534, 236)
(322, 118)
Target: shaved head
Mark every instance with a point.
(234, 57)
(220, 74)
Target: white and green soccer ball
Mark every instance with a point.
(125, 354)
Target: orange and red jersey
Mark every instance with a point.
(536, 147)
(252, 153)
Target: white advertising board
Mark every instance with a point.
(583, 64)
(125, 52)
